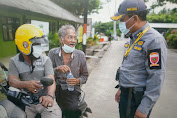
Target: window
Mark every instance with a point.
(9, 27)
(52, 27)
(28, 21)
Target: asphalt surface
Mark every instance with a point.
(100, 89)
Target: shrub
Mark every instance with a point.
(93, 41)
(53, 40)
(171, 38)
(79, 46)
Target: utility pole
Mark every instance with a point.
(85, 25)
(114, 25)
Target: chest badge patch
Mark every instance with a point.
(140, 43)
(137, 48)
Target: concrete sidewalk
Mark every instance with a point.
(100, 89)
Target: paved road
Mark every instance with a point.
(100, 89)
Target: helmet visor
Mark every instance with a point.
(39, 40)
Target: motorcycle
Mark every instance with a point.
(14, 105)
(83, 107)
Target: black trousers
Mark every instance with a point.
(71, 113)
(68, 102)
(130, 99)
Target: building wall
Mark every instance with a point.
(8, 48)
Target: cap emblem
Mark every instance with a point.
(132, 9)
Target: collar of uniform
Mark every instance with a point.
(59, 51)
(136, 34)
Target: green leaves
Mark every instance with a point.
(171, 38)
(53, 40)
(106, 28)
(160, 3)
(164, 16)
(93, 41)
(77, 6)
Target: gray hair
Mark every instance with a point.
(62, 30)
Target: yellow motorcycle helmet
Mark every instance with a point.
(26, 35)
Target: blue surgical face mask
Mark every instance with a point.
(68, 49)
(123, 28)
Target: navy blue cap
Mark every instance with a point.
(129, 6)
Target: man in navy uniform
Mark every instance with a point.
(142, 72)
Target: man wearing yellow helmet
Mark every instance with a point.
(27, 68)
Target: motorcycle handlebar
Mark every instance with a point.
(28, 98)
(46, 81)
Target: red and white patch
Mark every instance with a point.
(154, 59)
(25, 44)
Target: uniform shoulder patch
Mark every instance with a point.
(154, 58)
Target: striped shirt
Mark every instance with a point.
(77, 64)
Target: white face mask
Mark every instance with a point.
(68, 49)
(123, 28)
(38, 49)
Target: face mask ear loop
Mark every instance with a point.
(129, 20)
(131, 26)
